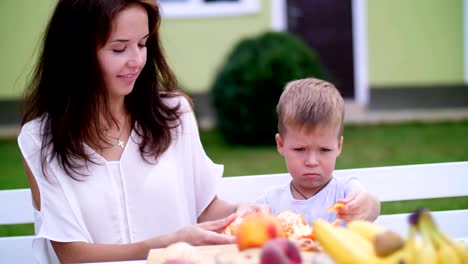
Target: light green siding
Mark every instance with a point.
(197, 47)
(22, 23)
(415, 42)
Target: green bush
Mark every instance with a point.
(248, 86)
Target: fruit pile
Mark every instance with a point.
(284, 238)
(365, 242)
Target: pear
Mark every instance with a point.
(387, 242)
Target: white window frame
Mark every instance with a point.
(201, 9)
(465, 41)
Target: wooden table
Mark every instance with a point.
(206, 254)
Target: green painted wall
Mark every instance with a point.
(415, 42)
(23, 22)
(197, 47)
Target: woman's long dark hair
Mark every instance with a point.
(68, 92)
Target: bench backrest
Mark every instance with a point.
(393, 183)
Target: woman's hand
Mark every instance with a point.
(207, 233)
(359, 205)
(197, 235)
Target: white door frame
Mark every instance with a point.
(360, 51)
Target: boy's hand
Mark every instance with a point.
(359, 206)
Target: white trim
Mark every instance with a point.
(279, 15)
(360, 52)
(465, 41)
(201, 9)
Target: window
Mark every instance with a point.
(207, 8)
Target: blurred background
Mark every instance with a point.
(402, 67)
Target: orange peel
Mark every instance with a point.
(334, 208)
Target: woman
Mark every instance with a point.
(111, 148)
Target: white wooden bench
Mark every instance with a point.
(393, 183)
(16, 208)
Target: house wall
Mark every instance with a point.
(195, 47)
(415, 43)
(22, 24)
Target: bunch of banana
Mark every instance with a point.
(446, 249)
(356, 243)
(366, 242)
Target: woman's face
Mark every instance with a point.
(123, 56)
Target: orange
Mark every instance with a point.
(294, 225)
(334, 207)
(256, 229)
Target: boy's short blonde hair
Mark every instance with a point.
(310, 103)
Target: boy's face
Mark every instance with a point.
(310, 156)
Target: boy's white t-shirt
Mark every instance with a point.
(281, 199)
(121, 201)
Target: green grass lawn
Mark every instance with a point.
(364, 146)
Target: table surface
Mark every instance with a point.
(463, 240)
(120, 262)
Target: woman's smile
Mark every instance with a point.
(128, 78)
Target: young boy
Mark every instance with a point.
(310, 138)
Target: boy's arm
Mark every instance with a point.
(359, 205)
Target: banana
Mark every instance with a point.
(445, 252)
(427, 253)
(357, 240)
(448, 255)
(448, 250)
(364, 228)
(339, 246)
(462, 251)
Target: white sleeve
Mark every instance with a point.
(56, 220)
(206, 173)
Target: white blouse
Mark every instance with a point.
(121, 201)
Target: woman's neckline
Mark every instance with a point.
(98, 155)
